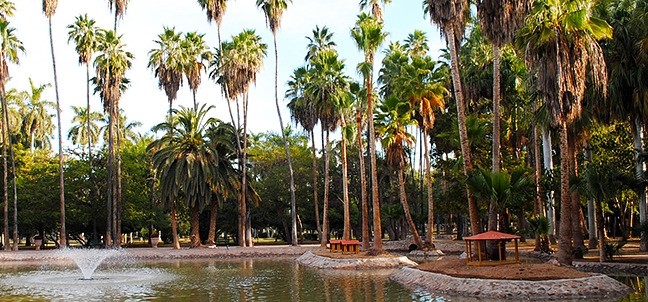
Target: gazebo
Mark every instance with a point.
(501, 239)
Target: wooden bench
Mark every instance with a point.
(336, 246)
(350, 246)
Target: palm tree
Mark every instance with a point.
(197, 52)
(7, 9)
(186, 162)
(359, 103)
(84, 33)
(303, 111)
(417, 44)
(111, 65)
(273, 10)
(168, 62)
(374, 7)
(215, 10)
(561, 49)
(235, 68)
(49, 8)
(392, 119)
(500, 22)
(10, 46)
(368, 35)
(80, 133)
(450, 16)
(37, 121)
(119, 6)
(322, 39)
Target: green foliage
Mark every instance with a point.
(612, 249)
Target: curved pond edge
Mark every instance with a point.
(311, 260)
(594, 287)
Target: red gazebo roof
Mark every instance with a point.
(492, 235)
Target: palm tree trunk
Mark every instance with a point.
(591, 210)
(538, 208)
(13, 169)
(475, 223)
(110, 167)
(89, 115)
(577, 233)
(377, 228)
(113, 154)
(213, 215)
(63, 238)
(315, 193)
(193, 92)
(363, 182)
(430, 190)
(564, 254)
(408, 215)
(548, 165)
(243, 201)
(496, 108)
(195, 226)
(325, 221)
(600, 229)
(293, 202)
(118, 195)
(174, 225)
(346, 233)
(5, 191)
(637, 137)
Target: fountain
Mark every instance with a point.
(87, 260)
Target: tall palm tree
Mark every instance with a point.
(80, 133)
(303, 111)
(322, 39)
(359, 103)
(235, 68)
(10, 46)
(84, 33)
(392, 119)
(562, 51)
(215, 10)
(111, 65)
(374, 7)
(7, 9)
(168, 62)
(500, 22)
(119, 6)
(450, 16)
(37, 121)
(273, 10)
(327, 86)
(368, 36)
(197, 52)
(186, 162)
(49, 8)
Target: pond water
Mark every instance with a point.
(216, 280)
(202, 280)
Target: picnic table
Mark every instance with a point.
(336, 246)
(350, 246)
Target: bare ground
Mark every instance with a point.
(523, 271)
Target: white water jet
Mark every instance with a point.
(87, 260)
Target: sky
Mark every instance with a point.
(144, 20)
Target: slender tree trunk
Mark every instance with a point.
(430, 189)
(564, 254)
(63, 238)
(548, 165)
(195, 103)
(363, 182)
(118, 195)
(377, 228)
(408, 215)
(600, 229)
(174, 225)
(346, 234)
(13, 171)
(240, 231)
(315, 193)
(293, 202)
(637, 137)
(496, 109)
(195, 226)
(5, 192)
(213, 215)
(325, 221)
(115, 186)
(591, 209)
(243, 206)
(538, 208)
(88, 121)
(110, 167)
(475, 224)
(577, 233)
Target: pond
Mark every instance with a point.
(215, 280)
(202, 280)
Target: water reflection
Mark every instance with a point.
(638, 285)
